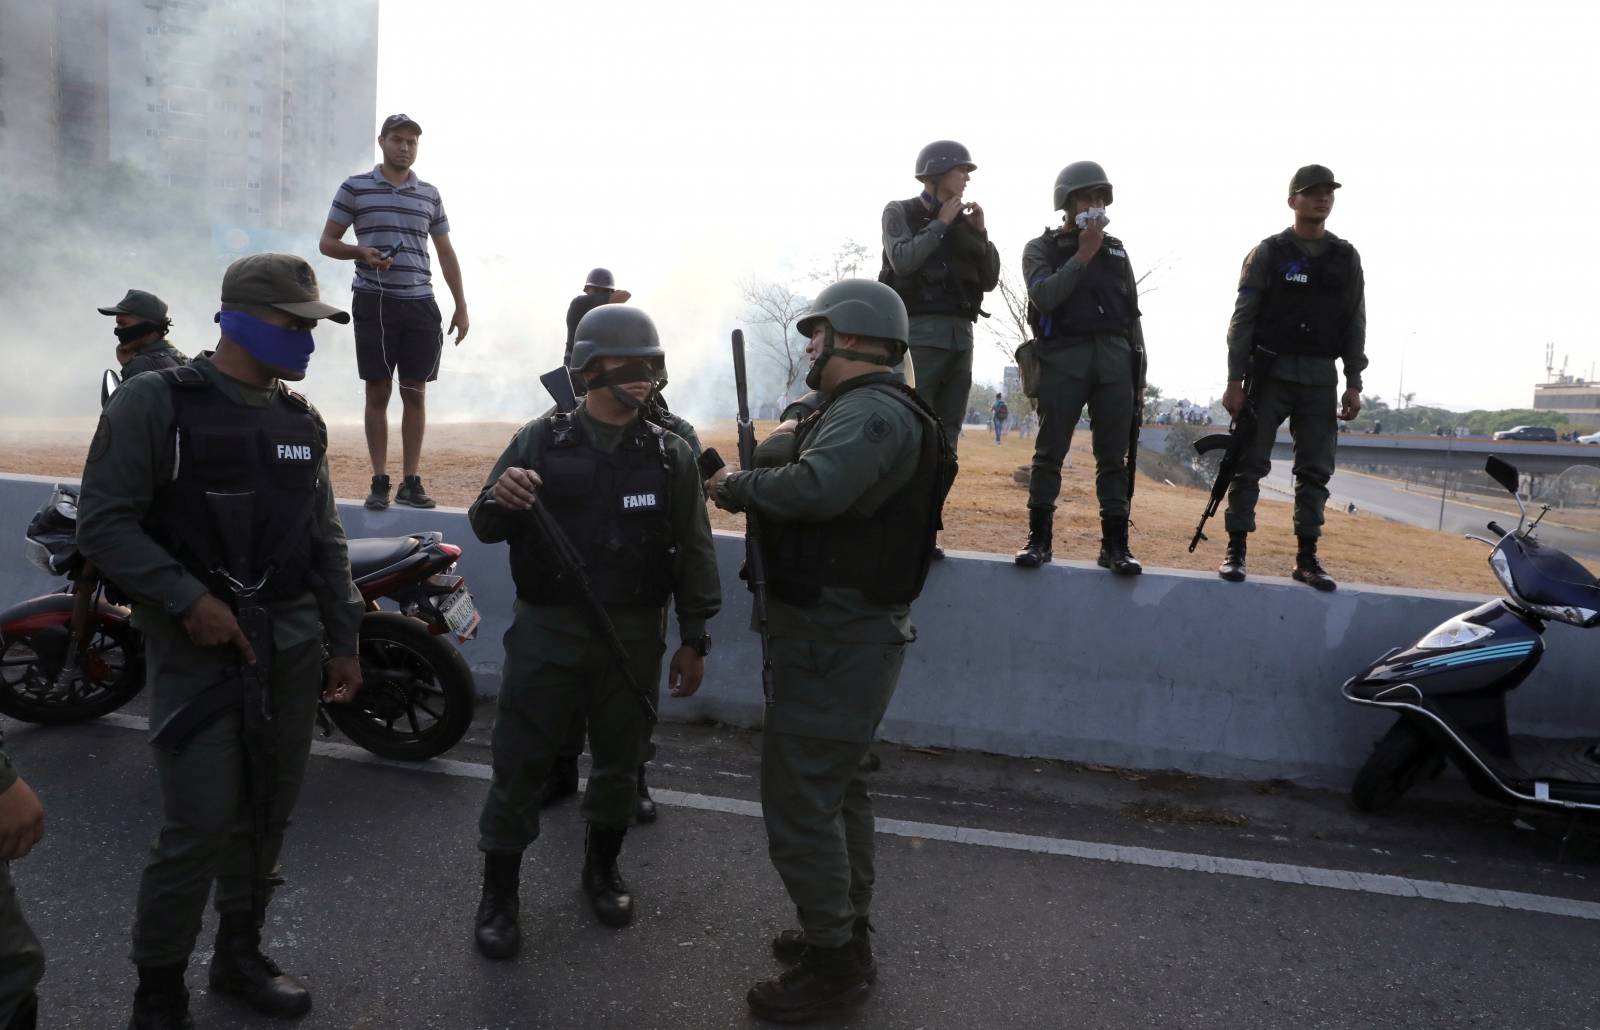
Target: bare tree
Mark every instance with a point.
(772, 311)
(848, 262)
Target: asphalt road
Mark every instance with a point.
(1012, 893)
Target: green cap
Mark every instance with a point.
(281, 281)
(139, 304)
(1309, 176)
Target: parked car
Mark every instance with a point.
(1544, 433)
(1591, 438)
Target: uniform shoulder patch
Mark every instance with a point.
(877, 429)
(894, 221)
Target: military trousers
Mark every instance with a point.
(829, 699)
(21, 955)
(941, 358)
(205, 811)
(549, 676)
(1095, 371)
(1313, 422)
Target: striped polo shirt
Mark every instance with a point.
(383, 215)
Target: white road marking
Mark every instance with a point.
(1153, 858)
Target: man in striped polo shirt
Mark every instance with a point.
(396, 319)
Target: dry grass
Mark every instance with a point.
(986, 512)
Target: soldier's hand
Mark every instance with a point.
(1350, 405)
(1233, 399)
(211, 623)
(1090, 239)
(341, 680)
(950, 209)
(974, 213)
(372, 257)
(515, 489)
(22, 819)
(620, 297)
(684, 674)
(716, 480)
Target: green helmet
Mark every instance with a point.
(859, 307)
(616, 331)
(602, 278)
(940, 156)
(1079, 175)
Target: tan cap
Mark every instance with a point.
(281, 281)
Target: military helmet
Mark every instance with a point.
(1079, 175)
(602, 278)
(859, 307)
(616, 331)
(940, 156)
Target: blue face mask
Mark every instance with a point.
(288, 349)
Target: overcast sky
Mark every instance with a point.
(691, 145)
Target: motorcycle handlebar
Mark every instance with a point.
(1494, 527)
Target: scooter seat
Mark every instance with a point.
(1559, 580)
(374, 553)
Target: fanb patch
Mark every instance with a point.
(102, 440)
(877, 429)
(894, 223)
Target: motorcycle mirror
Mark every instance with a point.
(1502, 472)
(108, 386)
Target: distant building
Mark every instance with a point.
(1568, 396)
(1012, 380)
(255, 110)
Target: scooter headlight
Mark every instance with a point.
(1453, 633)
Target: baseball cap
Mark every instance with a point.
(281, 281)
(140, 304)
(397, 121)
(1312, 175)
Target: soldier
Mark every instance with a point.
(141, 332)
(1301, 305)
(21, 957)
(1083, 305)
(849, 504)
(627, 493)
(600, 287)
(938, 258)
(167, 444)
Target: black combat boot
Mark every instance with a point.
(789, 946)
(602, 880)
(161, 1001)
(239, 968)
(1114, 553)
(26, 1017)
(1041, 524)
(562, 782)
(497, 934)
(1308, 570)
(827, 982)
(1232, 568)
(646, 810)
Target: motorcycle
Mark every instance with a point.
(1449, 688)
(75, 655)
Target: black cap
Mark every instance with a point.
(1309, 176)
(399, 121)
(140, 304)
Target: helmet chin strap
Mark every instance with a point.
(871, 357)
(614, 379)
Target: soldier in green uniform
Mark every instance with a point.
(849, 503)
(21, 957)
(141, 331)
(224, 424)
(627, 494)
(1083, 305)
(1301, 306)
(938, 258)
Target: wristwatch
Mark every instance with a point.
(701, 644)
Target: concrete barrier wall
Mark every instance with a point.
(1172, 669)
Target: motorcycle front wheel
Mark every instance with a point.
(417, 693)
(106, 676)
(1401, 757)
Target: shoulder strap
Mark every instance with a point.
(186, 376)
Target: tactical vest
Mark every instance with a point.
(885, 555)
(616, 510)
(226, 447)
(950, 282)
(1102, 302)
(1308, 302)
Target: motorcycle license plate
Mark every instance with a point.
(460, 613)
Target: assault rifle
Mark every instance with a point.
(1233, 442)
(755, 561)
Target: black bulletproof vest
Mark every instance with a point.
(1102, 302)
(616, 510)
(950, 282)
(225, 447)
(885, 555)
(1308, 303)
